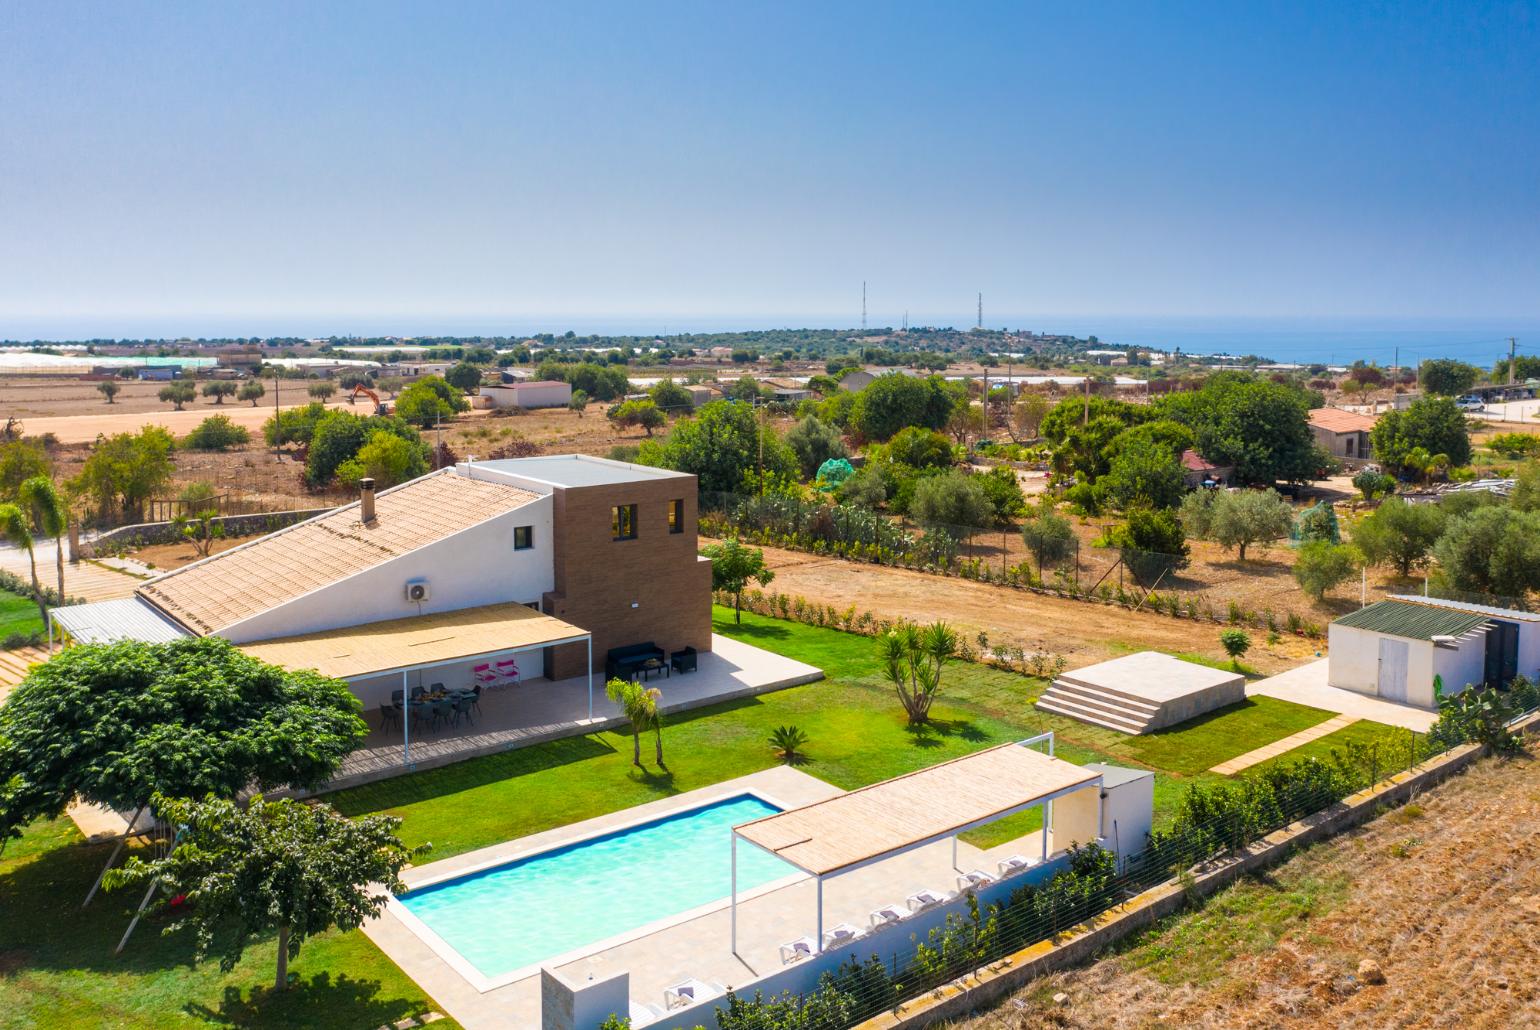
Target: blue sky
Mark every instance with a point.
(330, 167)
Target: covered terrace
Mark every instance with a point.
(873, 824)
(377, 659)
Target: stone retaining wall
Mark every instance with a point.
(146, 533)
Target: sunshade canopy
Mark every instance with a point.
(924, 806)
(376, 648)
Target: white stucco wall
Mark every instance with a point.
(528, 395)
(1353, 659)
(1529, 649)
(475, 567)
(1459, 668)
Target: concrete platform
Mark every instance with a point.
(1306, 685)
(1142, 693)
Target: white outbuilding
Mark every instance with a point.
(539, 394)
(1396, 648)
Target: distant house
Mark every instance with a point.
(787, 391)
(544, 393)
(1394, 649)
(701, 394)
(413, 369)
(1342, 434)
(1198, 471)
(858, 379)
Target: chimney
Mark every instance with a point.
(366, 500)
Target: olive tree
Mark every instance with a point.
(1237, 518)
(283, 867)
(733, 567)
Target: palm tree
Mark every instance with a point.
(15, 528)
(639, 704)
(912, 658)
(51, 516)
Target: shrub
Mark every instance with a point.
(953, 498)
(1322, 565)
(1236, 643)
(216, 433)
(1049, 536)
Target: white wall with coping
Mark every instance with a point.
(1458, 668)
(528, 395)
(477, 566)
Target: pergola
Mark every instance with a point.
(868, 825)
(377, 649)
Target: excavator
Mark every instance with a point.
(380, 407)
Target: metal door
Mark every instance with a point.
(1393, 669)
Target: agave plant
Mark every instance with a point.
(788, 742)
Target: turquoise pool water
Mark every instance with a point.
(534, 908)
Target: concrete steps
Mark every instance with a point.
(1099, 706)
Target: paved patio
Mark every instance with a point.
(540, 710)
(697, 946)
(1306, 685)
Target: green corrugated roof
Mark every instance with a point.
(1408, 619)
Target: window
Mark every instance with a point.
(523, 537)
(623, 522)
(676, 516)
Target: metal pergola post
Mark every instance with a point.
(406, 721)
(590, 642)
(734, 916)
(820, 915)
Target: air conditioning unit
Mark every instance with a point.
(417, 590)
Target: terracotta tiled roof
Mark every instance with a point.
(232, 586)
(1192, 461)
(1336, 420)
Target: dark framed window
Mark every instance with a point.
(523, 537)
(623, 522)
(676, 516)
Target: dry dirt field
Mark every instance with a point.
(1443, 894)
(1084, 633)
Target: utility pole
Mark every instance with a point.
(981, 311)
(1512, 344)
(863, 305)
(277, 422)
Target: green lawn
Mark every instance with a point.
(18, 615)
(56, 964)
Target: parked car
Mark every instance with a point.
(1470, 402)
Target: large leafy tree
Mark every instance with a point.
(386, 458)
(20, 460)
(125, 470)
(1144, 473)
(733, 567)
(116, 724)
(1447, 377)
(282, 867)
(1398, 534)
(670, 397)
(1433, 425)
(1071, 412)
(428, 401)
(912, 658)
(721, 446)
(1492, 550)
(893, 401)
(952, 499)
(920, 448)
(464, 377)
(339, 436)
(1259, 427)
(1237, 518)
(814, 442)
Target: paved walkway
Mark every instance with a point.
(1278, 747)
(84, 579)
(1306, 685)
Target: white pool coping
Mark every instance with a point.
(497, 855)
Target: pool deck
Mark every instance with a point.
(539, 710)
(695, 945)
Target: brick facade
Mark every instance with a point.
(653, 588)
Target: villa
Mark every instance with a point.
(518, 579)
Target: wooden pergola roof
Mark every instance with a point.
(376, 648)
(907, 811)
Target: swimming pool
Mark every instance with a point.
(512, 916)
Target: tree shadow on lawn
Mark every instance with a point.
(46, 929)
(319, 1001)
(759, 630)
(935, 732)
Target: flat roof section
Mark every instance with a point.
(1152, 676)
(578, 470)
(376, 648)
(930, 804)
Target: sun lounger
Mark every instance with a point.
(842, 933)
(887, 914)
(1015, 864)
(689, 991)
(973, 880)
(919, 901)
(802, 947)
